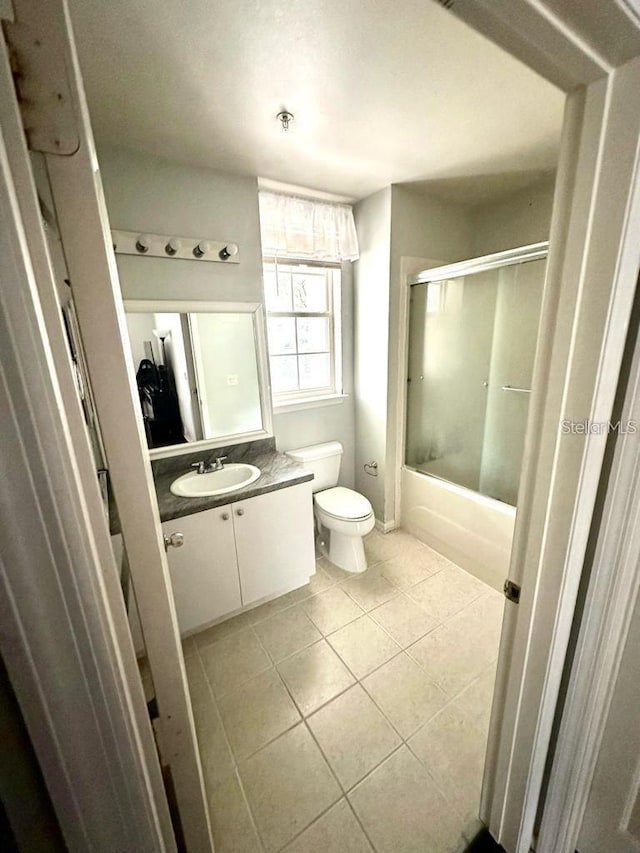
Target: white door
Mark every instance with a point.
(612, 819)
(41, 40)
(204, 570)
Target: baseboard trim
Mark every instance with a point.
(386, 526)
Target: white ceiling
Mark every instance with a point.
(381, 92)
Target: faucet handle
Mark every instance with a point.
(199, 465)
(220, 461)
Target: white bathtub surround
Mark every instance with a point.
(472, 530)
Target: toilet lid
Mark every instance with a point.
(343, 503)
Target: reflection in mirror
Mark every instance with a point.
(197, 375)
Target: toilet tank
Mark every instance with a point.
(323, 459)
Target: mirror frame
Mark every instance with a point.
(152, 306)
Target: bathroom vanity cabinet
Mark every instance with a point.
(240, 553)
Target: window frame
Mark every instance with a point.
(307, 397)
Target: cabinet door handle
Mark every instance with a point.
(239, 512)
(225, 516)
(173, 540)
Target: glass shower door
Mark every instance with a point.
(471, 348)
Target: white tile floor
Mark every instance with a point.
(351, 715)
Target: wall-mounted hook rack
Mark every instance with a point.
(147, 245)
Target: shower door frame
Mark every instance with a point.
(429, 275)
(444, 272)
(483, 263)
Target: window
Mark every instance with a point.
(303, 328)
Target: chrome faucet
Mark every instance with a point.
(203, 468)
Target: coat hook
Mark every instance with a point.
(229, 251)
(202, 248)
(143, 243)
(173, 246)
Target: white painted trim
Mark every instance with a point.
(610, 599)
(386, 526)
(77, 194)
(583, 326)
(539, 38)
(65, 638)
(310, 403)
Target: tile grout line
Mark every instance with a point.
(360, 824)
(304, 717)
(435, 783)
(236, 769)
(334, 583)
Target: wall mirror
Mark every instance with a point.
(201, 373)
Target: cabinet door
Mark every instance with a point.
(274, 541)
(204, 571)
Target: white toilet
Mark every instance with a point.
(343, 516)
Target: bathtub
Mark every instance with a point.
(472, 530)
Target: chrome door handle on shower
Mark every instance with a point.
(173, 540)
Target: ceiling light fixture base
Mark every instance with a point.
(285, 118)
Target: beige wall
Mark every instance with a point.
(153, 194)
(161, 196)
(371, 341)
(427, 227)
(518, 220)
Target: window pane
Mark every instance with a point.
(314, 370)
(282, 335)
(284, 373)
(277, 290)
(313, 334)
(310, 292)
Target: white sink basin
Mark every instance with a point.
(233, 476)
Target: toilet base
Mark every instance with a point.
(346, 552)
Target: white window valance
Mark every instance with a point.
(302, 228)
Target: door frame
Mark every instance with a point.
(580, 347)
(65, 639)
(55, 111)
(593, 239)
(611, 591)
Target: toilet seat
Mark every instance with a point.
(342, 503)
